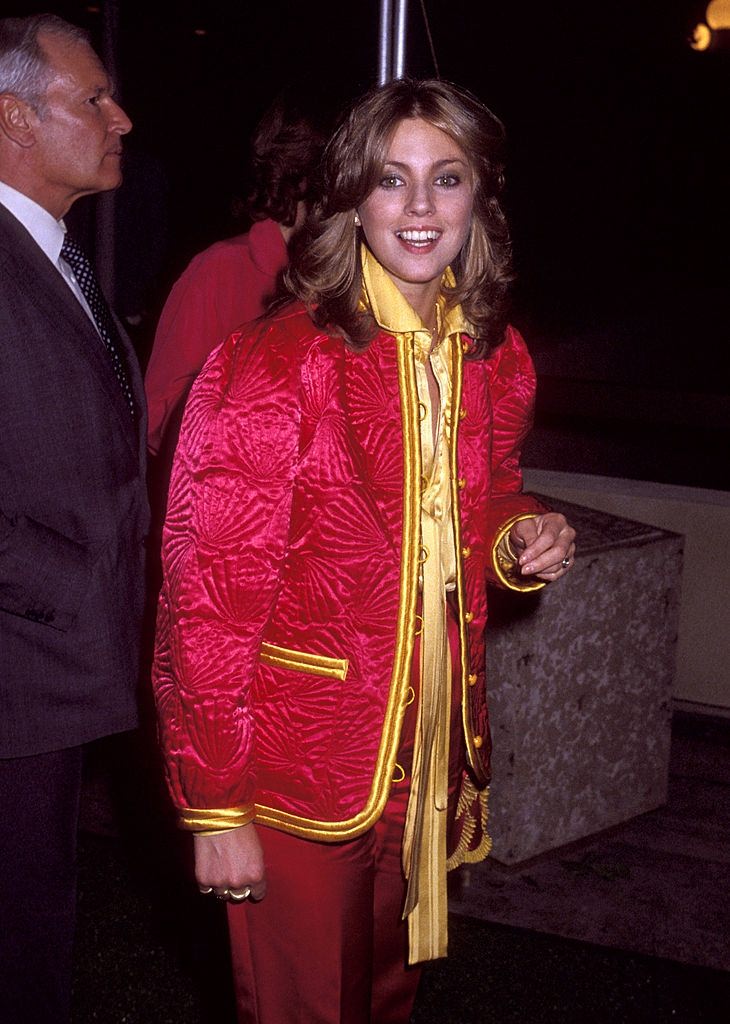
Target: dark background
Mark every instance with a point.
(618, 185)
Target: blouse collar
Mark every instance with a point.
(394, 314)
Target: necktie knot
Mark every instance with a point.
(79, 262)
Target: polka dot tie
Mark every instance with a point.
(84, 273)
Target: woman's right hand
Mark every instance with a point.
(230, 862)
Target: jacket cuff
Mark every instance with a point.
(208, 821)
(505, 559)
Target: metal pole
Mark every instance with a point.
(399, 43)
(392, 40)
(385, 49)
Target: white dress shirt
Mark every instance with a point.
(48, 234)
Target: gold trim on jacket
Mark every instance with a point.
(301, 661)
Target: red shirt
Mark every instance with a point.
(223, 287)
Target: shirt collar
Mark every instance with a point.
(267, 247)
(47, 232)
(392, 311)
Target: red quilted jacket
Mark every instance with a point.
(288, 611)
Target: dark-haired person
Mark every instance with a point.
(231, 282)
(346, 482)
(73, 503)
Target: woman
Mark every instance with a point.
(346, 482)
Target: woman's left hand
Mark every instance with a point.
(545, 545)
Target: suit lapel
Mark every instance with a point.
(137, 384)
(54, 300)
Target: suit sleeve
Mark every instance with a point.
(43, 575)
(512, 387)
(224, 543)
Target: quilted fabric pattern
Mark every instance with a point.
(286, 525)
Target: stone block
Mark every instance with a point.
(580, 678)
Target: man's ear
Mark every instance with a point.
(17, 120)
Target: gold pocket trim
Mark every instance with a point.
(301, 661)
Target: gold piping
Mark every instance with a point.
(215, 819)
(503, 560)
(301, 661)
(475, 761)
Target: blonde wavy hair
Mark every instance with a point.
(325, 270)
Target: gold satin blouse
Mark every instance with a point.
(424, 843)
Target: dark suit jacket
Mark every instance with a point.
(73, 514)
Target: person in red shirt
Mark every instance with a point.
(231, 282)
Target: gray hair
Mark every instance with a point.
(24, 68)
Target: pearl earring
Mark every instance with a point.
(357, 221)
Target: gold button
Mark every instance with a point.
(399, 772)
(466, 552)
(469, 616)
(462, 413)
(423, 555)
(410, 695)
(465, 346)
(420, 625)
(471, 679)
(461, 483)
(478, 741)
(422, 410)
(424, 483)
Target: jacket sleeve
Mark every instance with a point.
(511, 378)
(224, 543)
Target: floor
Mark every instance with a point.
(658, 884)
(633, 926)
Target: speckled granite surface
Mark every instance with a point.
(580, 678)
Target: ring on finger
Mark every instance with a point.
(223, 894)
(206, 890)
(239, 897)
(566, 562)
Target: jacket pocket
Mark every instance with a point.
(301, 661)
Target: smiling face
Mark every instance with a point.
(77, 130)
(418, 217)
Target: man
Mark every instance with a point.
(73, 509)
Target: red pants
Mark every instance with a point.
(327, 945)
